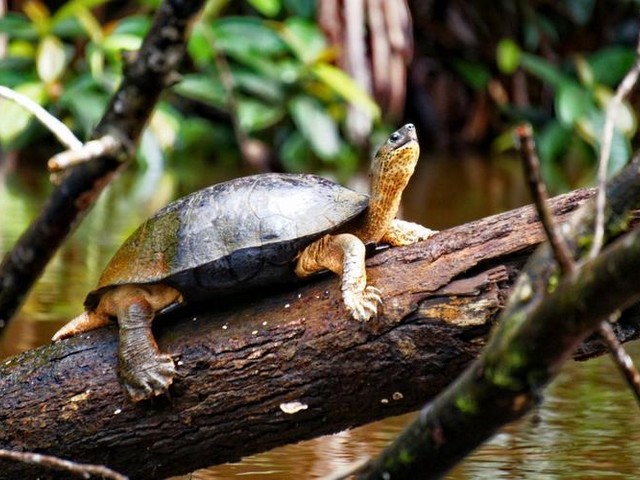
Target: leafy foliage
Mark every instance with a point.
(269, 70)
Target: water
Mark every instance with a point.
(587, 428)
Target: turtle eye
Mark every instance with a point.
(394, 137)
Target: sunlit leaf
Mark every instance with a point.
(572, 102)
(316, 126)
(88, 21)
(39, 14)
(71, 9)
(346, 87)
(122, 41)
(51, 59)
(14, 118)
(268, 8)
(304, 38)
(254, 115)
(508, 56)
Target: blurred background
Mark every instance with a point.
(316, 86)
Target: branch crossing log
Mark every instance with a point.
(272, 370)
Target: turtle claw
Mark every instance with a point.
(150, 379)
(364, 305)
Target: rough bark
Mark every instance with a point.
(547, 317)
(245, 368)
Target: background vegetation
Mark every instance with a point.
(267, 85)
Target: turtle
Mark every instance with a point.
(242, 234)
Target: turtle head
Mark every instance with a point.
(397, 157)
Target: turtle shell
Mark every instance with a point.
(231, 236)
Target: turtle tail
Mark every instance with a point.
(87, 320)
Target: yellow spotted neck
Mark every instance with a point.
(390, 173)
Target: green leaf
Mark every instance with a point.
(137, 25)
(542, 69)
(121, 41)
(508, 55)
(257, 85)
(254, 115)
(14, 118)
(51, 59)
(611, 64)
(17, 26)
(316, 126)
(475, 74)
(86, 102)
(242, 35)
(572, 102)
(268, 8)
(304, 38)
(203, 88)
(346, 87)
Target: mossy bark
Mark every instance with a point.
(243, 367)
(544, 322)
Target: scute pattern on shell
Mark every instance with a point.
(231, 232)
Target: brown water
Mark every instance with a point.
(587, 428)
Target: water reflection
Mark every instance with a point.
(588, 426)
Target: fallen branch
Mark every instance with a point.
(270, 371)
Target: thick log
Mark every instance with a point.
(268, 371)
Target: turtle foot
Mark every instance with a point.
(148, 379)
(363, 305)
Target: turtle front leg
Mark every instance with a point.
(343, 254)
(143, 370)
(401, 233)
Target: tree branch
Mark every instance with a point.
(130, 107)
(247, 371)
(544, 322)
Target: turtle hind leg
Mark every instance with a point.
(143, 370)
(82, 323)
(343, 254)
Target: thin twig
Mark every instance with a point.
(107, 145)
(540, 198)
(59, 129)
(562, 254)
(83, 470)
(620, 357)
(623, 90)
